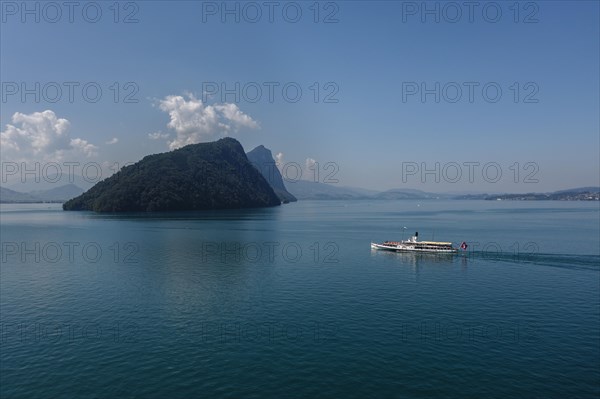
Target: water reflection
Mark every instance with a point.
(416, 260)
(217, 215)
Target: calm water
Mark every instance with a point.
(291, 302)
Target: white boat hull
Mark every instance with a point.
(411, 248)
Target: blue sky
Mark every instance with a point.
(370, 57)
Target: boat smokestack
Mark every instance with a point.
(415, 238)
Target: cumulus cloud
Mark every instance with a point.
(311, 170)
(112, 141)
(42, 136)
(83, 146)
(236, 118)
(194, 122)
(158, 136)
(279, 160)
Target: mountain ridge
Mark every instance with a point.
(56, 194)
(262, 159)
(214, 175)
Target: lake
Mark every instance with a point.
(292, 302)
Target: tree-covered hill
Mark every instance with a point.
(214, 175)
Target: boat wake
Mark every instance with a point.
(570, 261)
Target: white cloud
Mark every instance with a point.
(158, 136)
(112, 141)
(238, 119)
(38, 132)
(83, 146)
(41, 136)
(279, 158)
(311, 170)
(279, 161)
(194, 121)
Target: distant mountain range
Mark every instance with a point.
(56, 194)
(575, 194)
(51, 181)
(410, 194)
(304, 190)
(307, 190)
(9, 196)
(579, 190)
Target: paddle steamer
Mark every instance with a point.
(414, 245)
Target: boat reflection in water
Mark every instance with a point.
(418, 261)
(418, 257)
